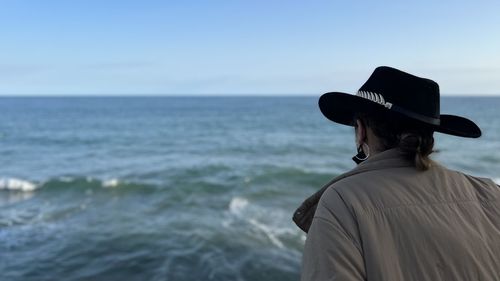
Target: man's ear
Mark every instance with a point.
(360, 131)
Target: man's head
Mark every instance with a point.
(375, 133)
(395, 109)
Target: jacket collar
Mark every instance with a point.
(390, 158)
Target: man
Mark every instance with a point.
(399, 215)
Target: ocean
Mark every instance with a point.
(179, 188)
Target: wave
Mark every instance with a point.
(280, 179)
(17, 184)
(68, 183)
(496, 180)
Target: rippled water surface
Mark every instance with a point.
(171, 188)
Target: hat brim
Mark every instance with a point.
(342, 108)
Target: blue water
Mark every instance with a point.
(179, 188)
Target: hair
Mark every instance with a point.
(415, 140)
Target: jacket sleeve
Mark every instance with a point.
(333, 250)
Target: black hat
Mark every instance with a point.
(396, 92)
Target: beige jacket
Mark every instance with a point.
(384, 220)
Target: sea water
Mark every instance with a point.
(179, 188)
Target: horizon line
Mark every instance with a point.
(208, 95)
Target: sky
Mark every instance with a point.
(271, 47)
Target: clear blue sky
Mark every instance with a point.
(95, 47)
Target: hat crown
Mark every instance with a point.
(407, 91)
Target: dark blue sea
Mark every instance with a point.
(179, 188)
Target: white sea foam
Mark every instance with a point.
(17, 184)
(237, 205)
(110, 183)
(262, 220)
(496, 180)
(268, 231)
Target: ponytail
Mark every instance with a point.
(417, 147)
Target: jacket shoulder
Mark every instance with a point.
(399, 186)
(485, 189)
(374, 188)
